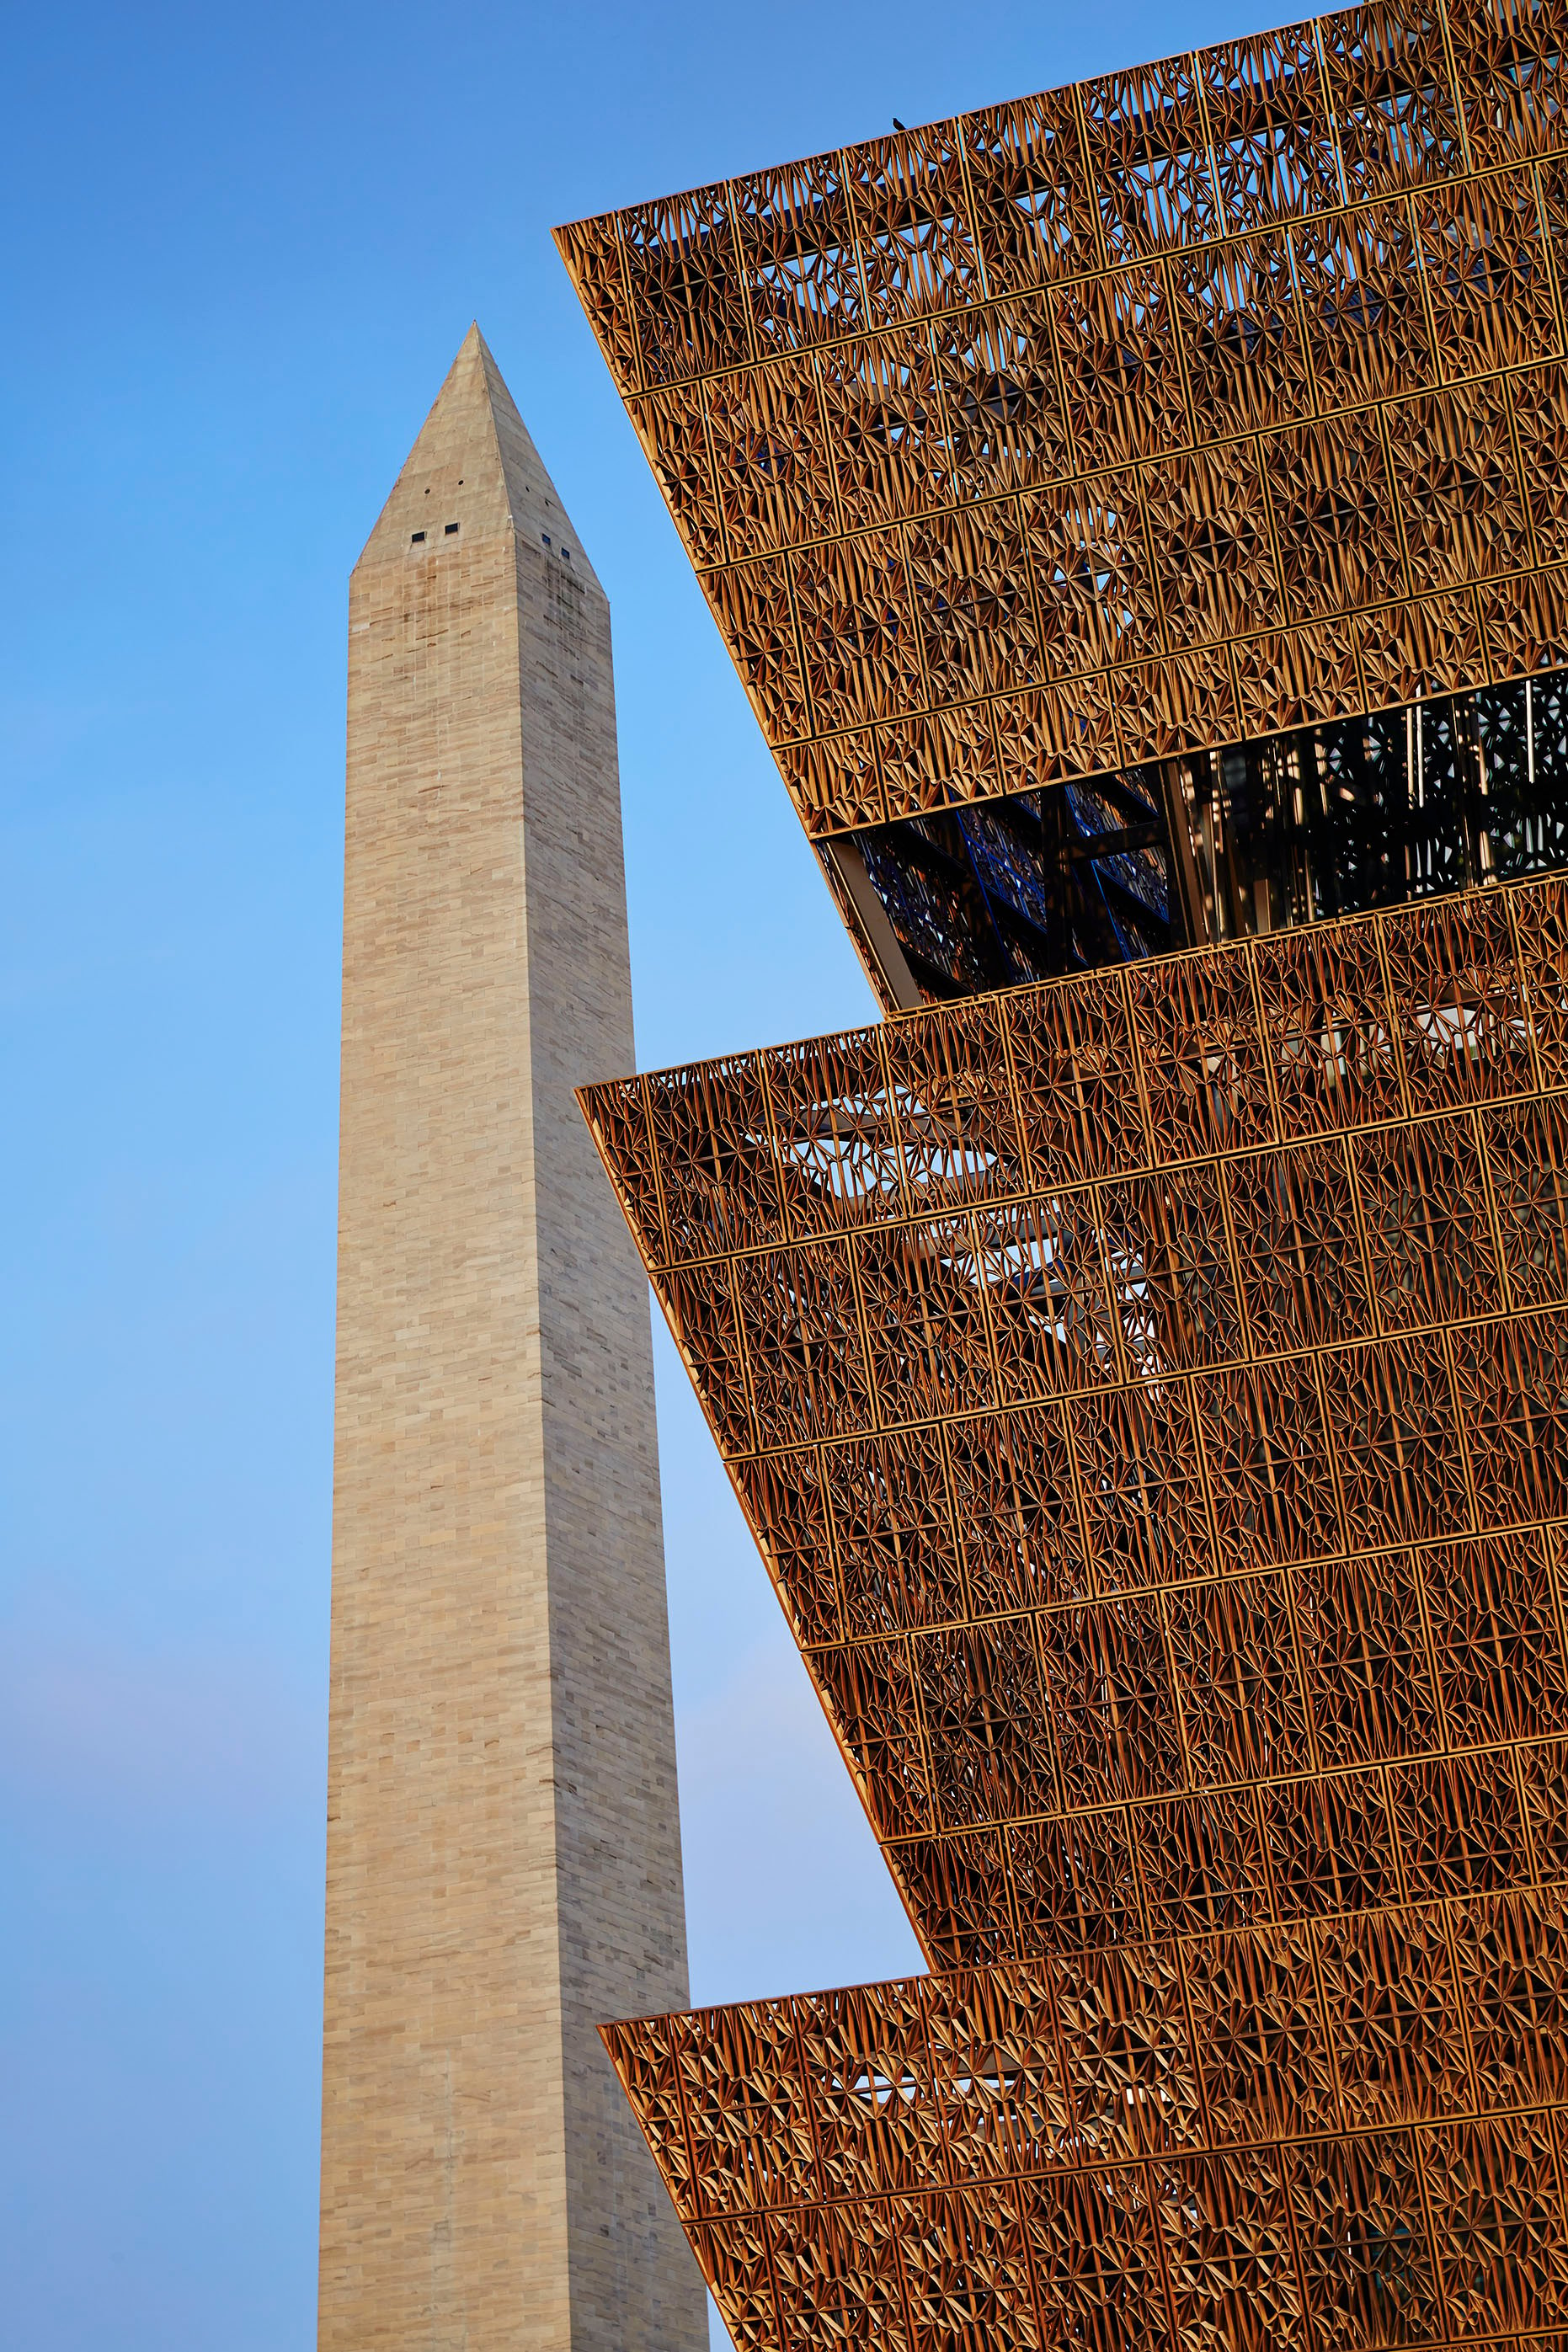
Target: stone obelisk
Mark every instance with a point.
(503, 1861)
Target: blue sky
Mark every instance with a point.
(245, 245)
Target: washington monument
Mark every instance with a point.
(503, 1861)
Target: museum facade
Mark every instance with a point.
(1138, 515)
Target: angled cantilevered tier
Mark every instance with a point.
(1342, 2133)
(1149, 1393)
(1033, 460)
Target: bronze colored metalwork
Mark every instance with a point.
(1193, 402)
(1149, 1393)
(1148, 1386)
(1327, 2135)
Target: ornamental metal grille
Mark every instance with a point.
(1193, 403)
(1138, 515)
(1323, 2135)
(1149, 1393)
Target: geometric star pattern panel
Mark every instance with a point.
(1322, 2136)
(1149, 1393)
(1198, 402)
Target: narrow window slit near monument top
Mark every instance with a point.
(544, 535)
(451, 527)
(415, 541)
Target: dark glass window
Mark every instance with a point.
(1328, 820)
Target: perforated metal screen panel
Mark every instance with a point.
(1148, 1387)
(1150, 1393)
(1216, 397)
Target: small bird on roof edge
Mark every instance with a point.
(897, 124)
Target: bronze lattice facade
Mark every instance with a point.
(1148, 1385)
(1197, 402)
(1150, 1394)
